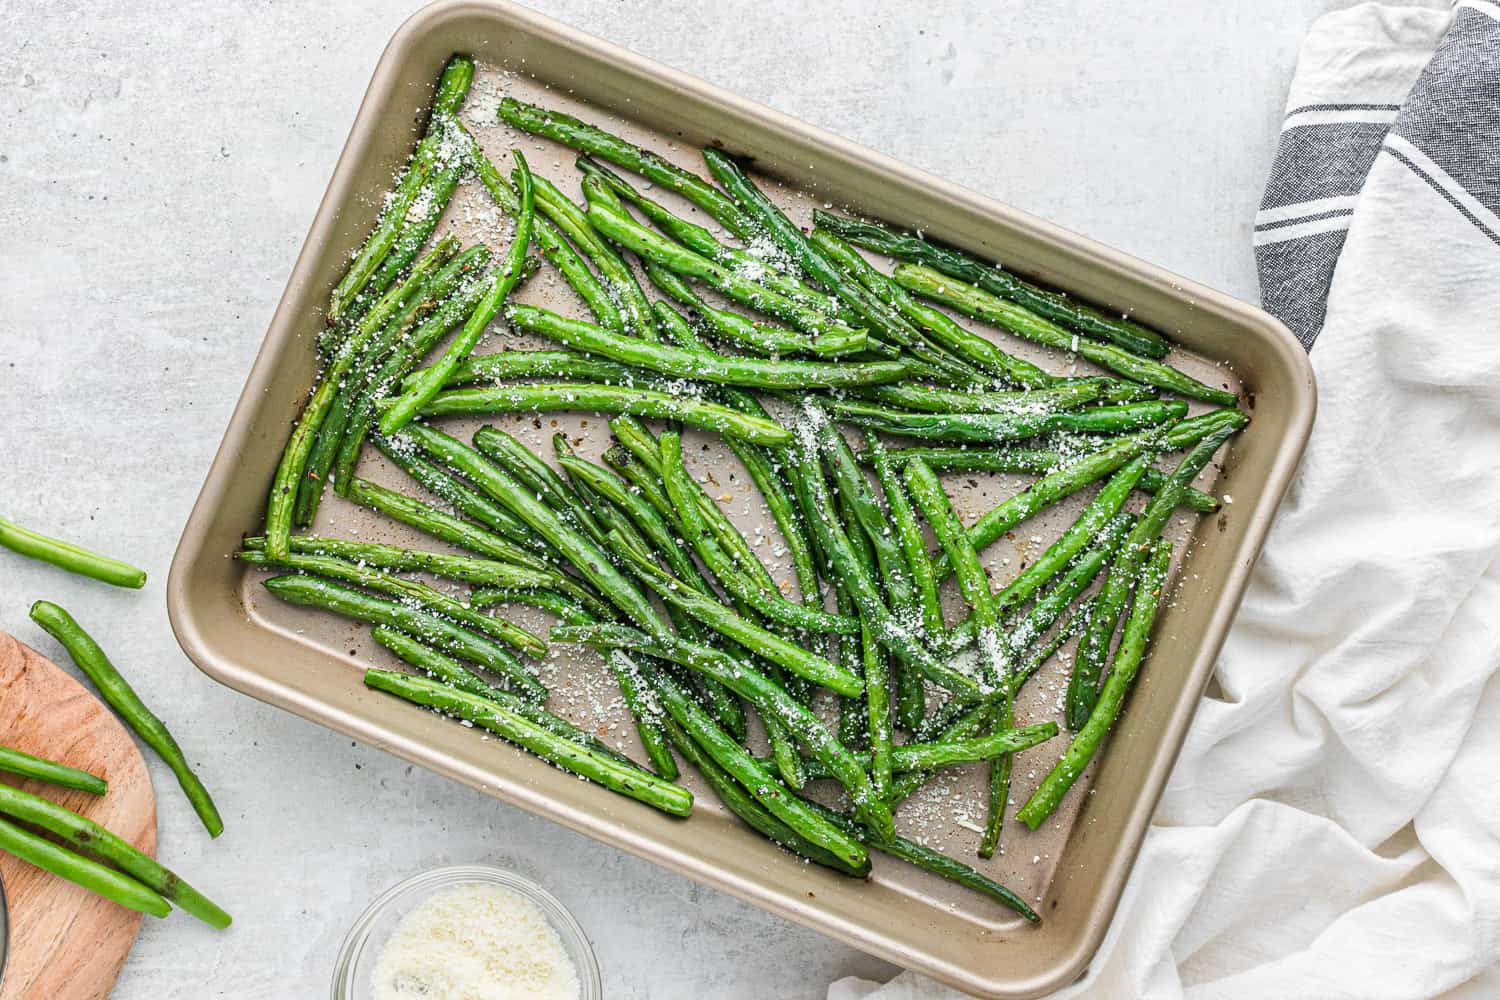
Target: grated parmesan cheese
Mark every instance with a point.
(475, 942)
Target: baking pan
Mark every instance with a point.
(309, 663)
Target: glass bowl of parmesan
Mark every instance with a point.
(468, 932)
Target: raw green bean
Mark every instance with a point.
(84, 834)
(317, 592)
(564, 753)
(978, 351)
(982, 305)
(550, 398)
(1094, 647)
(412, 400)
(122, 698)
(439, 524)
(91, 875)
(766, 789)
(452, 87)
(576, 547)
(50, 771)
(1106, 710)
(703, 366)
(407, 591)
(770, 700)
(73, 558)
(1053, 305)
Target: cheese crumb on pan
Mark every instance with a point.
(475, 942)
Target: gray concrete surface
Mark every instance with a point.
(159, 165)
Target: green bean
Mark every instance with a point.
(640, 699)
(929, 860)
(1052, 305)
(439, 524)
(756, 816)
(564, 607)
(1100, 510)
(932, 399)
(1036, 461)
(84, 834)
(891, 633)
(402, 358)
(449, 671)
(767, 601)
(770, 700)
(483, 572)
(452, 86)
(766, 790)
(599, 181)
(318, 592)
(414, 399)
(872, 519)
(432, 200)
(536, 475)
(606, 399)
(877, 701)
(576, 547)
(452, 490)
(982, 305)
(909, 535)
(406, 591)
(987, 428)
(703, 366)
(755, 335)
(1095, 644)
(1001, 717)
(542, 364)
(50, 771)
(73, 558)
(659, 250)
(978, 351)
(91, 875)
(619, 279)
(628, 781)
(929, 495)
(882, 319)
(1106, 710)
(429, 288)
(950, 752)
(635, 436)
(550, 243)
(762, 642)
(85, 652)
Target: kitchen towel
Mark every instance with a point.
(1332, 829)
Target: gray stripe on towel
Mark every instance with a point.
(1294, 278)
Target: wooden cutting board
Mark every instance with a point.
(66, 943)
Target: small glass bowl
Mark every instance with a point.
(361, 947)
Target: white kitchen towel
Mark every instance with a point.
(1332, 829)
